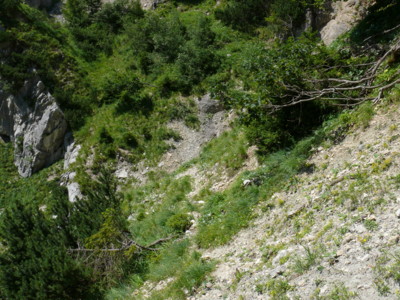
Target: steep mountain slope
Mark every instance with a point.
(333, 232)
(213, 149)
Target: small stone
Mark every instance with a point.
(340, 252)
(246, 182)
(362, 287)
(277, 271)
(398, 213)
(348, 237)
(279, 256)
(359, 228)
(302, 283)
(323, 290)
(121, 174)
(365, 257)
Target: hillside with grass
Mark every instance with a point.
(199, 149)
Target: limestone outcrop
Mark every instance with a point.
(37, 129)
(71, 154)
(344, 15)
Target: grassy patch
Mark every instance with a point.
(304, 263)
(387, 271)
(188, 271)
(277, 289)
(35, 190)
(338, 292)
(228, 150)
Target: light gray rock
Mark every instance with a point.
(71, 154)
(208, 105)
(345, 14)
(333, 30)
(37, 132)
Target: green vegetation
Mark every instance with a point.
(229, 150)
(387, 270)
(275, 288)
(339, 292)
(121, 74)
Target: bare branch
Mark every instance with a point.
(126, 246)
(338, 88)
(392, 49)
(381, 33)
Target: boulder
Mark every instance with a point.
(37, 131)
(344, 15)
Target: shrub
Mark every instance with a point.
(94, 25)
(156, 39)
(105, 137)
(179, 222)
(243, 15)
(131, 103)
(129, 140)
(34, 261)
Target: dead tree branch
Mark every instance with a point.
(381, 33)
(341, 91)
(125, 246)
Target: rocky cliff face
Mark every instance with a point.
(37, 131)
(339, 17)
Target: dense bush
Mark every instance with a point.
(179, 222)
(32, 49)
(94, 25)
(9, 10)
(267, 75)
(174, 55)
(286, 17)
(282, 17)
(382, 17)
(35, 263)
(244, 14)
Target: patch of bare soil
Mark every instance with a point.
(213, 122)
